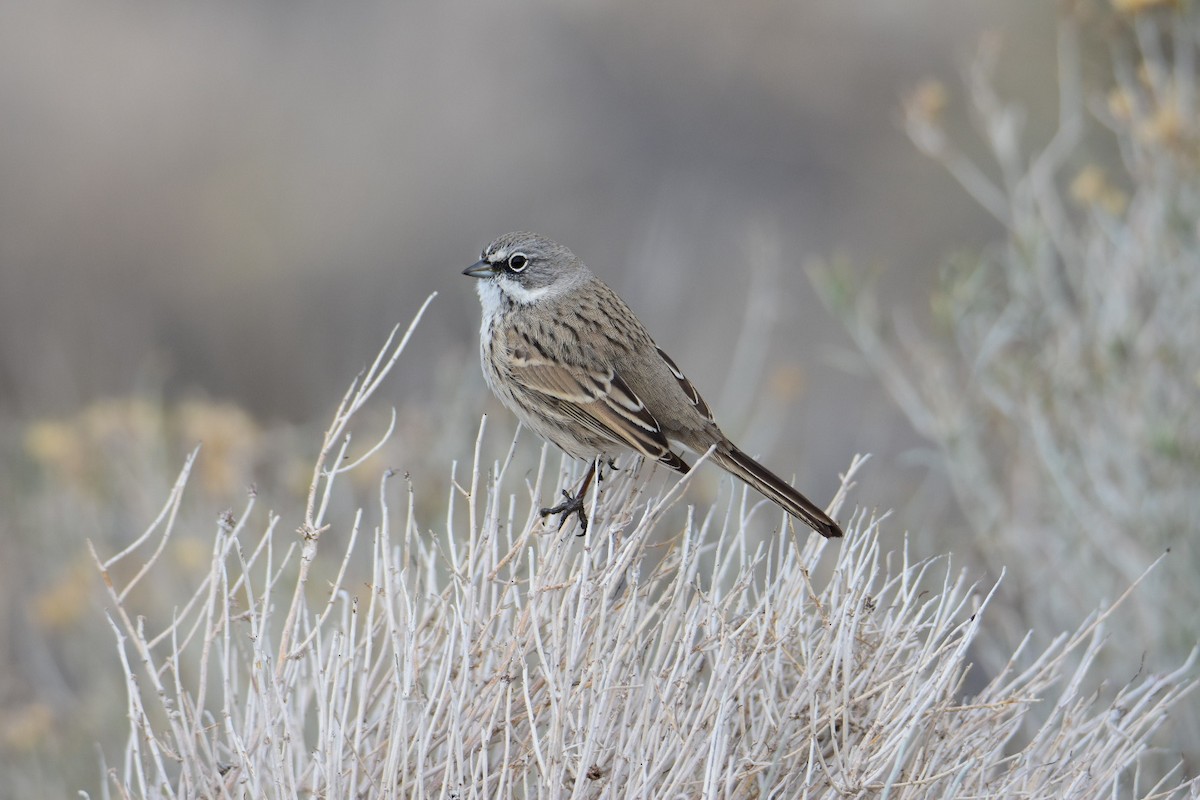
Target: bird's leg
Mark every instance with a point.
(573, 504)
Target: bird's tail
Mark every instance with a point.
(737, 463)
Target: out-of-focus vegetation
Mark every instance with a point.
(1060, 379)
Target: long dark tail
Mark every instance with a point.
(737, 463)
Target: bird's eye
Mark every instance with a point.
(517, 262)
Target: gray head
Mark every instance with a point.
(524, 267)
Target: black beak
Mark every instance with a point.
(480, 269)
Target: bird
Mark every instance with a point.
(572, 361)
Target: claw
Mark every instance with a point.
(573, 504)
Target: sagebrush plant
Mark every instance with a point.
(489, 654)
(1061, 380)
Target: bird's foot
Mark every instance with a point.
(573, 504)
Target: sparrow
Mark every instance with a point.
(565, 354)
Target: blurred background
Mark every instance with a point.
(211, 214)
(240, 200)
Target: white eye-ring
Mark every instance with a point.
(517, 262)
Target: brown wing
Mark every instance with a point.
(686, 385)
(600, 400)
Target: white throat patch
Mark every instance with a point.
(489, 297)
